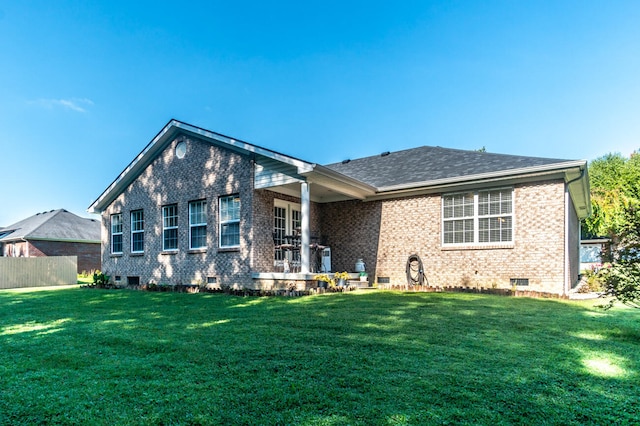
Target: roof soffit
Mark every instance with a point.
(580, 191)
(339, 183)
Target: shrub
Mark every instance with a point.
(100, 280)
(622, 284)
(592, 282)
(622, 278)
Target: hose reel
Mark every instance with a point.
(415, 271)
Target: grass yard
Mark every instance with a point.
(78, 356)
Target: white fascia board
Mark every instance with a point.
(499, 175)
(340, 183)
(596, 241)
(302, 166)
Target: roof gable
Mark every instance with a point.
(168, 133)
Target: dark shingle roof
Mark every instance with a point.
(428, 163)
(58, 225)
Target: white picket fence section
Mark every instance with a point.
(19, 272)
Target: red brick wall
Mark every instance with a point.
(206, 172)
(352, 229)
(88, 254)
(385, 233)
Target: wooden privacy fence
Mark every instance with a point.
(17, 272)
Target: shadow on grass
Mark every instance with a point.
(356, 358)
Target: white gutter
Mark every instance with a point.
(337, 176)
(540, 170)
(64, 240)
(567, 230)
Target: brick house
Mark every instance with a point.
(54, 233)
(199, 207)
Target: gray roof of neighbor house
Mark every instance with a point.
(54, 225)
(432, 163)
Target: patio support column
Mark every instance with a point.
(305, 231)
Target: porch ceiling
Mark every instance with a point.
(325, 185)
(319, 193)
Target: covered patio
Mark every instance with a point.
(298, 253)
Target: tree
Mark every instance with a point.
(615, 188)
(622, 278)
(615, 202)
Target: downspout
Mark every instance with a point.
(567, 269)
(567, 200)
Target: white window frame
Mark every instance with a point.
(476, 217)
(135, 230)
(118, 233)
(293, 213)
(170, 227)
(196, 225)
(225, 220)
(291, 209)
(465, 219)
(500, 221)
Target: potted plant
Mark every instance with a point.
(323, 280)
(341, 278)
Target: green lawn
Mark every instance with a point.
(79, 356)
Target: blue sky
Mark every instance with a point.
(84, 86)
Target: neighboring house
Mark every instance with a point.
(199, 207)
(54, 233)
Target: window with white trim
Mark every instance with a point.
(170, 227)
(198, 224)
(481, 217)
(116, 233)
(137, 231)
(495, 216)
(458, 217)
(229, 221)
